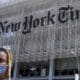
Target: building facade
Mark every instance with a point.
(44, 36)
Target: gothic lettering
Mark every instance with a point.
(26, 27)
(1, 27)
(17, 26)
(30, 22)
(72, 14)
(63, 14)
(36, 23)
(77, 14)
(50, 18)
(43, 19)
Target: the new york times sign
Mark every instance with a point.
(64, 15)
